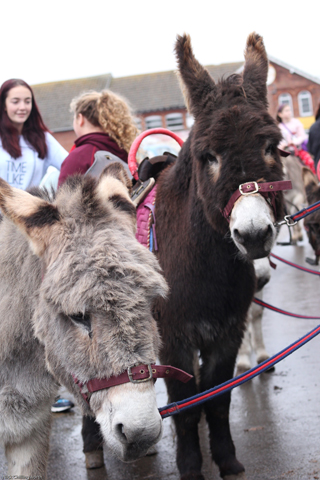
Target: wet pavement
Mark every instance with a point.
(275, 418)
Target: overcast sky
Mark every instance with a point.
(44, 41)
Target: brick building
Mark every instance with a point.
(298, 89)
(158, 102)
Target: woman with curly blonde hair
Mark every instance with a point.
(102, 121)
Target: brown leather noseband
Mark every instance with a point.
(136, 374)
(268, 190)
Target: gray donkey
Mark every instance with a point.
(76, 290)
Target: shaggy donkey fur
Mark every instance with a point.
(234, 140)
(76, 294)
(312, 222)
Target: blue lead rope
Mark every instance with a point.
(174, 408)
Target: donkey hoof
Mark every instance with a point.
(232, 469)
(261, 359)
(152, 451)
(239, 476)
(192, 476)
(94, 459)
(242, 368)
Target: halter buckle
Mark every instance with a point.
(248, 185)
(141, 380)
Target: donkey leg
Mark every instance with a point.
(215, 370)
(243, 359)
(29, 457)
(257, 335)
(92, 442)
(189, 457)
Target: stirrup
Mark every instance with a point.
(141, 190)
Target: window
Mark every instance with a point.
(305, 104)
(174, 121)
(153, 121)
(286, 99)
(138, 123)
(189, 120)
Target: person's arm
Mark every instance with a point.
(285, 137)
(56, 153)
(300, 135)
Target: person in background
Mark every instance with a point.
(291, 128)
(314, 142)
(293, 135)
(102, 122)
(27, 148)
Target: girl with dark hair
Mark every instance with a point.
(27, 148)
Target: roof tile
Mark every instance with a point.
(146, 93)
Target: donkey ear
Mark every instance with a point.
(32, 215)
(197, 84)
(115, 186)
(309, 178)
(255, 71)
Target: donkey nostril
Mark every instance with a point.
(237, 236)
(121, 432)
(267, 233)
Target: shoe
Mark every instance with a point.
(61, 405)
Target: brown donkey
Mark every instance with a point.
(76, 295)
(206, 260)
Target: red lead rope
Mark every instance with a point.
(304, 269)
(174, 408)
(305, 212)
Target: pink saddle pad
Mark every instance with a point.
(145, 218)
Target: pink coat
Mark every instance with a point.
(292, 133)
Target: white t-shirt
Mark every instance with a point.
(28, 170)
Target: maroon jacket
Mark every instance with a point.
(81, 156)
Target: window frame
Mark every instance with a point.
(174, 127)
(301, 96)
(152, 118)
(286, 94)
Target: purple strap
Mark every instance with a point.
(287, 128)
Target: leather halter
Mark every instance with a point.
(268, 190)
(136, 374)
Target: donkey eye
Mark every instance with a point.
(82, 319)
(211, 159)
(270, 150)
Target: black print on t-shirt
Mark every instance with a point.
(16, 172)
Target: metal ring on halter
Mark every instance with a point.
(286, 220)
